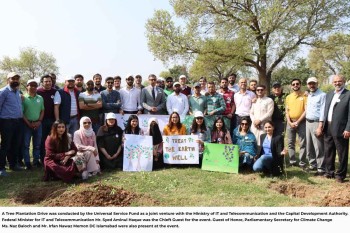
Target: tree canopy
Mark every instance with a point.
(30, 64)
(254, 33)
(331, 57)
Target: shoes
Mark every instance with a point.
(328, 176)
(85, 175)
(339, 180)
(3, 173)
(312, 168)
(21, 164)
(319, 174)
(16, 168)
(37, 164)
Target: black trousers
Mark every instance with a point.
(10, 141)
(331, 146)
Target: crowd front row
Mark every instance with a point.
(86, 154)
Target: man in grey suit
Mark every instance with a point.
(153, 98)
(337, 129)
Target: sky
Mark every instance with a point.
(85, 36)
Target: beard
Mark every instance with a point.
(14, 85)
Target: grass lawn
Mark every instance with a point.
(175, 187)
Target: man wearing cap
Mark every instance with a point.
(153, 98)
(186, 90)
(10, 123)
(130, 98)
(33, 114)
(295, 116)
(197, 101)
(337, 129)
(168, 87)
(177, 102)
(111, 101)
(279, 110)
(48, 93)
(215, 102)
(79, 82)
(66, 105)
(314, 124)
(231, 83)
(97, 78)
(90, 102)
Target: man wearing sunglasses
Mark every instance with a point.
(295, 116)
(168, 90)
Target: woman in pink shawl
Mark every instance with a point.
(87, 159)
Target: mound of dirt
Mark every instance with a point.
(96, 195)
(339, 196)
(35, 195)
(290, 189)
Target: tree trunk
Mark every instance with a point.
(265, 79)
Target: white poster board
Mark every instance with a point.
(180, 149)
(138, 153)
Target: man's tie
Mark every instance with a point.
(153, 94)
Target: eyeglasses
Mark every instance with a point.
(87, 123)
(199, 118)
(259, 89)
(295, 84)
(244, 123)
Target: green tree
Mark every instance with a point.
(286, 74)
(331, 57)
(30, 64)
(175, 72)
(259, 34)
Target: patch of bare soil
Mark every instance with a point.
(98, 195)
(34, 195)
(338, 196)
(292, 190)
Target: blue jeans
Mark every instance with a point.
(73, 126)
(36, 135)
(263, 163)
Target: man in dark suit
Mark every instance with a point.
(153, 98)
(337, 129)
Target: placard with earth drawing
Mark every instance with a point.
(220, 157)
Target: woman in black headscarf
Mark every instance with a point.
(154, 131)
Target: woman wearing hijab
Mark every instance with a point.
(109, 142)
(87, 159)
(154, 131)
(59, 147)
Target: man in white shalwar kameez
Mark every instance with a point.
(260, 112)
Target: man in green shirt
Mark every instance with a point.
(197, 101)
(33, 114)
(168, 90)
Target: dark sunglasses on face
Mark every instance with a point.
(259, 89)
(295, 84)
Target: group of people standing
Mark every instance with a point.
(86, 110)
